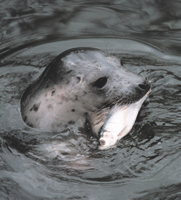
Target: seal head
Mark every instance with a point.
(78, 85)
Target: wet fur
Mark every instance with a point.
(66, 94)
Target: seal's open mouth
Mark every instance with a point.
(119, 123)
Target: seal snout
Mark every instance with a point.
(145, 86)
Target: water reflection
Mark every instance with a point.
(157, 22)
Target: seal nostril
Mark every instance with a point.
(145, 86)
(142, 86)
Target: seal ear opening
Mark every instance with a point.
(79, 78)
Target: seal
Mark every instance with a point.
(85, 85)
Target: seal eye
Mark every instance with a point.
(100, 83)
(102, 142)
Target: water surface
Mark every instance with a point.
(41, 165)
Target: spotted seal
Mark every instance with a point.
(85, 85)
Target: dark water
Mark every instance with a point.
(146, 164)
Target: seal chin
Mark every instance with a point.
(119, 123)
